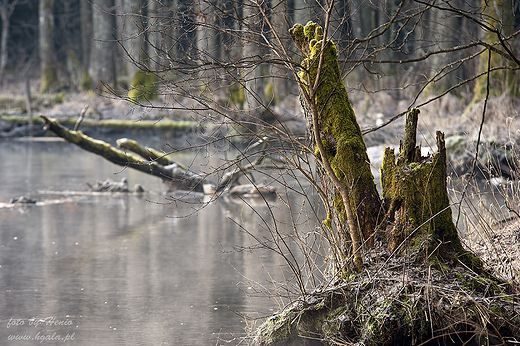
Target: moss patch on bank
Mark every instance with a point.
(143, 88)
(122, 124)
(406, 304)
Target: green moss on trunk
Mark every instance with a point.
(341, 135)
(178, 177)
(415, 192)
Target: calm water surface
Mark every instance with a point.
(119, 269)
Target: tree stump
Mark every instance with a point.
(415, 193)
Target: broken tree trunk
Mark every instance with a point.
(415, 193)
(177, 177)
(339, 143)
(147, 153)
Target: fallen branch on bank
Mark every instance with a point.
(156, 163)
(176, 176)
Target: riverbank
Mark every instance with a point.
(466, 126)
(451, 114)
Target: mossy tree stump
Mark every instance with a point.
(327, 104)
(414, 190)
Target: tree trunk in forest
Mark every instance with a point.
(86, 32)
(231, 51)
(131, 31)
(47, 53)
(6, 10)
(3, 44)
(207, 46)
(102, 66)
(442, 24)
(172, 34)
(338, 136)
(254, 83)
(419, 214)
(154, 42)
(499, 16)
(278, 70)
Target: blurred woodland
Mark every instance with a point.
(407, 48)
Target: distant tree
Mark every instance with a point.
(86, 32)
(6, 10)
(131, 31)
(102, 64)
(252, 73)
(279, 72)
(86, 43)
(206, 43)
(496, 30)
(48, 66)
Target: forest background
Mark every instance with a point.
(403, 50)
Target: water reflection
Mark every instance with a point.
(120, 269)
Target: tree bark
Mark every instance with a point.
(415, 192)
(155, 44)
(172, 34)
(207, 47)
(442, 28)
(278, 70)
(499, 16)
(254, 84)
(6, 10)
(86, 32)
(339, 138)
(47, 53)
(149, 154)
(131, 31)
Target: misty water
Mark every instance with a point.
(122, 269)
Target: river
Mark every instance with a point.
(123, 269)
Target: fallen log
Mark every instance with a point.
(177, 177)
